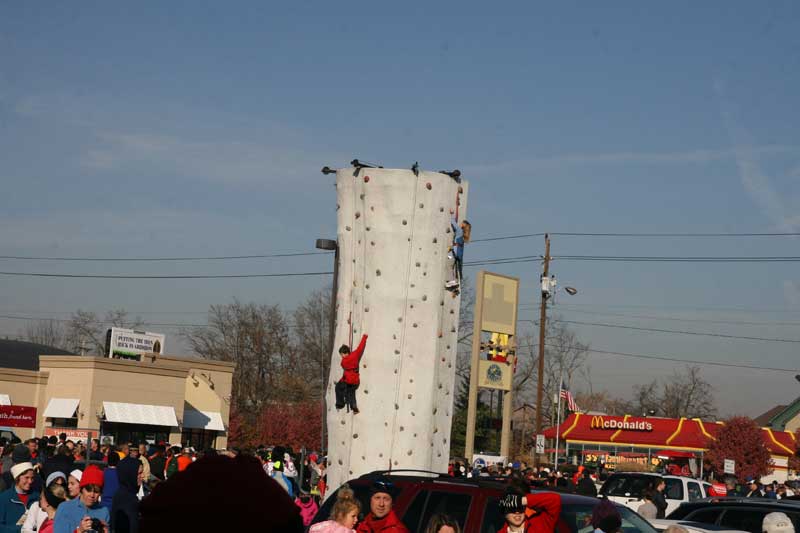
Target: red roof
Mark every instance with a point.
(667, 433)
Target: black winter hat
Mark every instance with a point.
(21, 454)
(384, 485)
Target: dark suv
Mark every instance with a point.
(473, 502)
(745, 514)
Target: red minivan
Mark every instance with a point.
(473, 502)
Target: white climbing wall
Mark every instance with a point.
(394, 233)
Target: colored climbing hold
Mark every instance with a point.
(378, 272)
(347, 228)
(366, 179)
(358, 214)
(429, 186)
(421, 205)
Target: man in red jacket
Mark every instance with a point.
(346, 387)
(530, 513)
(381, 517)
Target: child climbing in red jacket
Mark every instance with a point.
(346, 387)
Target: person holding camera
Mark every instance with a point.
(84, 513)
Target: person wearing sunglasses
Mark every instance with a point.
(84, 513)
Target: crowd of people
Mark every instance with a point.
(60, 486)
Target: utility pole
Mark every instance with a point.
(542, 326)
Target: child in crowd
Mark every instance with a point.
(345, 514)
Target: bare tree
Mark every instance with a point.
(86, 333)
(603, 402)
(257, 339)
(685, 394)
(46, 332)
(312, 321)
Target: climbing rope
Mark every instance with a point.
(398, 380)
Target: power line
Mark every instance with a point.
(680, 319)
(681, 332)
(681, 259)
(184, 276)
(751, 366)
(687, 307)
(132, 259)
(636, 235)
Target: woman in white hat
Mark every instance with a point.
(36, 514)
(74, 484)
(15, 502)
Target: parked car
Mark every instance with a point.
(473, 502)
(692, 527)
(627, 488)
(746, 514)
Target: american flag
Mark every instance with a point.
(566, 395)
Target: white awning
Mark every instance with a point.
(61, 408)
(5, 399)
(137, 413)
(210, 420)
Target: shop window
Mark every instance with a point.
(64, 423)
(198, 439)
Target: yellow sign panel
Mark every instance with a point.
(493, 375)
(499, 303)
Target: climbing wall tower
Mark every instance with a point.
(394, 234)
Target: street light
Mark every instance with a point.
(330, 245)
(546, 295)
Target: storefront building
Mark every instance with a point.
(676, 444)
(160, 398)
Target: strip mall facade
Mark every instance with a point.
(648, 439)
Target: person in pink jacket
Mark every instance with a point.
(344, 513)
(308, 507)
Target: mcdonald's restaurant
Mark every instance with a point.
(155, 398)
(676, 444)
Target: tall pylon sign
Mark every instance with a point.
(494, 355)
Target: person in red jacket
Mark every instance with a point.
(530, 513)
(381, 517)
(346, 387)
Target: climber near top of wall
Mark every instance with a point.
(461, 234)
(346, 387)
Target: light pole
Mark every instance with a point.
(331, 245)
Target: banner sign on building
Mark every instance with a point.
(122, 343)
(17, 416)
(74, 434)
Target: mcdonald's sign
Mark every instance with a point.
(600, 422)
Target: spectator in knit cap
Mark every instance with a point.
(20, 454)
(51, 499)
(220, 494)
(777, 523)
(80, 512)
(74, 484)
(37, 514)
(381, 517)
(15, 502)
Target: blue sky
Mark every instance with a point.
(199, 129)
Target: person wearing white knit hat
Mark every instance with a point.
(15, 502)
(74, 484)
(777, 523)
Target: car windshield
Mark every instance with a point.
(633, 486)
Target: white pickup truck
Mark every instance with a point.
(627, 488)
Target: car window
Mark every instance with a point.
(631, 486)
(744, 519)
(453, 504)
(695, 493)
(492, 519)
(414, 512)
(705, 516)
(674, 489)
(577, 519)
